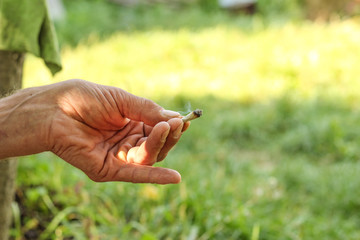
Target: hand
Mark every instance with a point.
(108, 133)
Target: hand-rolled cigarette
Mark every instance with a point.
(193, 115)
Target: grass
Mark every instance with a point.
(275, 155)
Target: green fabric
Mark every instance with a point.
(25, 27)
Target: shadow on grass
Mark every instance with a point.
(101, 19)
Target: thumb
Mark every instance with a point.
(147, 174)
(144, 110)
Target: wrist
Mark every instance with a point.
(25, 120)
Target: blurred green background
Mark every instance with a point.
(276, 154)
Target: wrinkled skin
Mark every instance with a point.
(108, 133)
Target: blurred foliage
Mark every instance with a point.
(281, 9)
(194, 15)
(327, 9)
(127, 19)
(208, 5)
(275, 155)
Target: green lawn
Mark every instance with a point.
(275, 156)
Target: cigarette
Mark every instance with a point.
(193, 115)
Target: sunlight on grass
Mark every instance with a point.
(225, 62)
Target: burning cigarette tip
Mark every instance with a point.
(198, 112)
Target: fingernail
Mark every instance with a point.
(169, 113)
(175, 177)
(165, 135)
(177, 132)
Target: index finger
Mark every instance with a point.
(141, 109)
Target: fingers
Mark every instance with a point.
(147, 153)
(142, 109)
(176, 129)
(186, 126)
(162, 138)
(133, 163)
(147, 174)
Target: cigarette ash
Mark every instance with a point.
(198, 112)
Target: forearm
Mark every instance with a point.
(24, 119)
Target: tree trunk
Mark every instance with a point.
(11, 65)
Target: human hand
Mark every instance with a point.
(108, 133)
